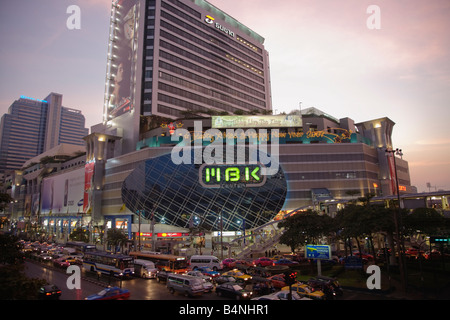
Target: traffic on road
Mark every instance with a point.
(156, 276)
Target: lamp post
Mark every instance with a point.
(397, 215)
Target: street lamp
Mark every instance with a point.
(397, 214)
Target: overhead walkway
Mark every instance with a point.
(261, 238)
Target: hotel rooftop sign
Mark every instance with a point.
(211, 20)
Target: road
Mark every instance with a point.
(141, 289)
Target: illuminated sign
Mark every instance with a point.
(164, 234)
(210, 20)
(34, 99)
(231, 176)
(277, 121)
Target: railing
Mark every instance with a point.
(263, 240)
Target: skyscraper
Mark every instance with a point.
(169, 58)
(33, 126)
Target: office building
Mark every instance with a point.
(33, 126)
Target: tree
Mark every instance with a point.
(304, 227)
(14, 285)
(424, 220)
(351, 222)
(79, 234)
(10, 249)
(116, 238)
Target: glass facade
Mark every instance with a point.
(176, 196)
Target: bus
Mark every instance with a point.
(111, 264)
(167, 262)
(81, 246)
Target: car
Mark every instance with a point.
(328, 281)
(207, 285)
(306, 291)
(111, 293)
(224, 279)
(237, 274)
(278, 281)
(263, 262)
(233, 290)
(364, 256)
(61, 262)
(433, 255)
(45, 257)
(198, 274)
(281, 295)
(162, 275)
(329, 291)
(284, 262)
(414, 253)
(206, 280)
(49, 292)
(208, 272)
(229, 263)
(243, 264)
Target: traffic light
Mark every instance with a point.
(290, 277)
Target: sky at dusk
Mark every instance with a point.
(322, 54)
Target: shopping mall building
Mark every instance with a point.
(189, 144)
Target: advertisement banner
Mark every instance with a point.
(62, 193)
(122, 64)
(393, 173)
(88, 175)
(317, 251)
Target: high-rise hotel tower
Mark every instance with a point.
(170, 58)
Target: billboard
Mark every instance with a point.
(88, 176)
(63, 193)
(122, 53)
(317, 251)
(277, 121)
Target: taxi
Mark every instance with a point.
(237, 274)
(306, 291)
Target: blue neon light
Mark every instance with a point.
(34, 99)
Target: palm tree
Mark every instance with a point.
(115, 238)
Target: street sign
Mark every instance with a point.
(315, 251)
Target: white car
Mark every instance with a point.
(206, 280)
(281, 295)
